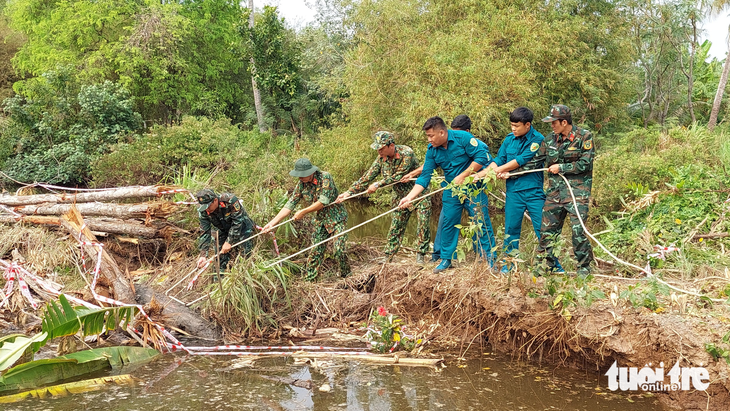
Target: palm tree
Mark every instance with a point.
(715, 7)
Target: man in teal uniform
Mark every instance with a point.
(569, 151)
(227, 215)
(458, 154)
(394, 162)
(317, 188)
(524, 192)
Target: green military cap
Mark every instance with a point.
(382, 139)
(205, 197)
(303, 168)
(557, 112)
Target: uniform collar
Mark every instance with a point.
(570, 137)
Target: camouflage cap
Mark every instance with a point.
(382, 139)
(303, 168)
(205, 197)
(557, 112)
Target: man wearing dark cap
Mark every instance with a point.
(394, 162)
(569, 151)
(317, 188)
(458, 154)
(227, 215)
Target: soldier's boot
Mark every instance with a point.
(583, 271)
(558, 269)
(421, 259)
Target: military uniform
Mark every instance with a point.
(392, 170)
(328, 221)
(524, 192)
(462, 149)
(574, 153)
(229, 219)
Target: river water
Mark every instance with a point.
(215, 383)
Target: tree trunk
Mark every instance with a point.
(85, 196)
(108, 225)
(256, 93)
(122, 291)
(147, 210)
(690, 77)
(718, 95)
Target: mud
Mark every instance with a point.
(466, 308)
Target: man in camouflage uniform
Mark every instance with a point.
(569, 151)
(318, 188)
(227, 215)
(394, 162)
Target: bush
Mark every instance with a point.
(57, 127)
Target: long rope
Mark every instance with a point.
(357, 226)
(206, 264)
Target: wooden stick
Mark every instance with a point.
(390, 359)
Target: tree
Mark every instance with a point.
(176, 58)
(58, 127)
(716, 7)
(256, 92)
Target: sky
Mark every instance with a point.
(300, 12)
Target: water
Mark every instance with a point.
(211, 383)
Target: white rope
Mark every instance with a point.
(357, 226)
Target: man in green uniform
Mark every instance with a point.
(394, 162)
(569, 151)
(318, 188)
(227, 215)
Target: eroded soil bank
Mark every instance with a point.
(466, 308)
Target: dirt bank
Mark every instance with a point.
(465, 308)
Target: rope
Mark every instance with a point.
(357, 226)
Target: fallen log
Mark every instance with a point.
(178, 315)
(111, 194)
(106, 225)
(145, 210)
(122, 290)
(375, 358)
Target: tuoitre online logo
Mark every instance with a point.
(647, 379)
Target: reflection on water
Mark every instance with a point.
(488, 383)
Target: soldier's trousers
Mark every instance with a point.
(553, 216)
(233, 253)
(398, 225)
(484, 240)
(532, 201)
(316, 256)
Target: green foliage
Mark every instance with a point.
(175, 57)
(413, 61)
(56, 127)
(250, 297)
(63, 320)
(48, 371)
(387, 333)
(645, 294)
(14, 347)
(720, 350)
(566, 292)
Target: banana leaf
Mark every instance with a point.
(41, 372)
(64, 320)
(11, 351)
(69, 388)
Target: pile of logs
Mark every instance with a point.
(101, 210)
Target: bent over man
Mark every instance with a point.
(317, 188)
(227, 215)
(393, 163)
(458, 154)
